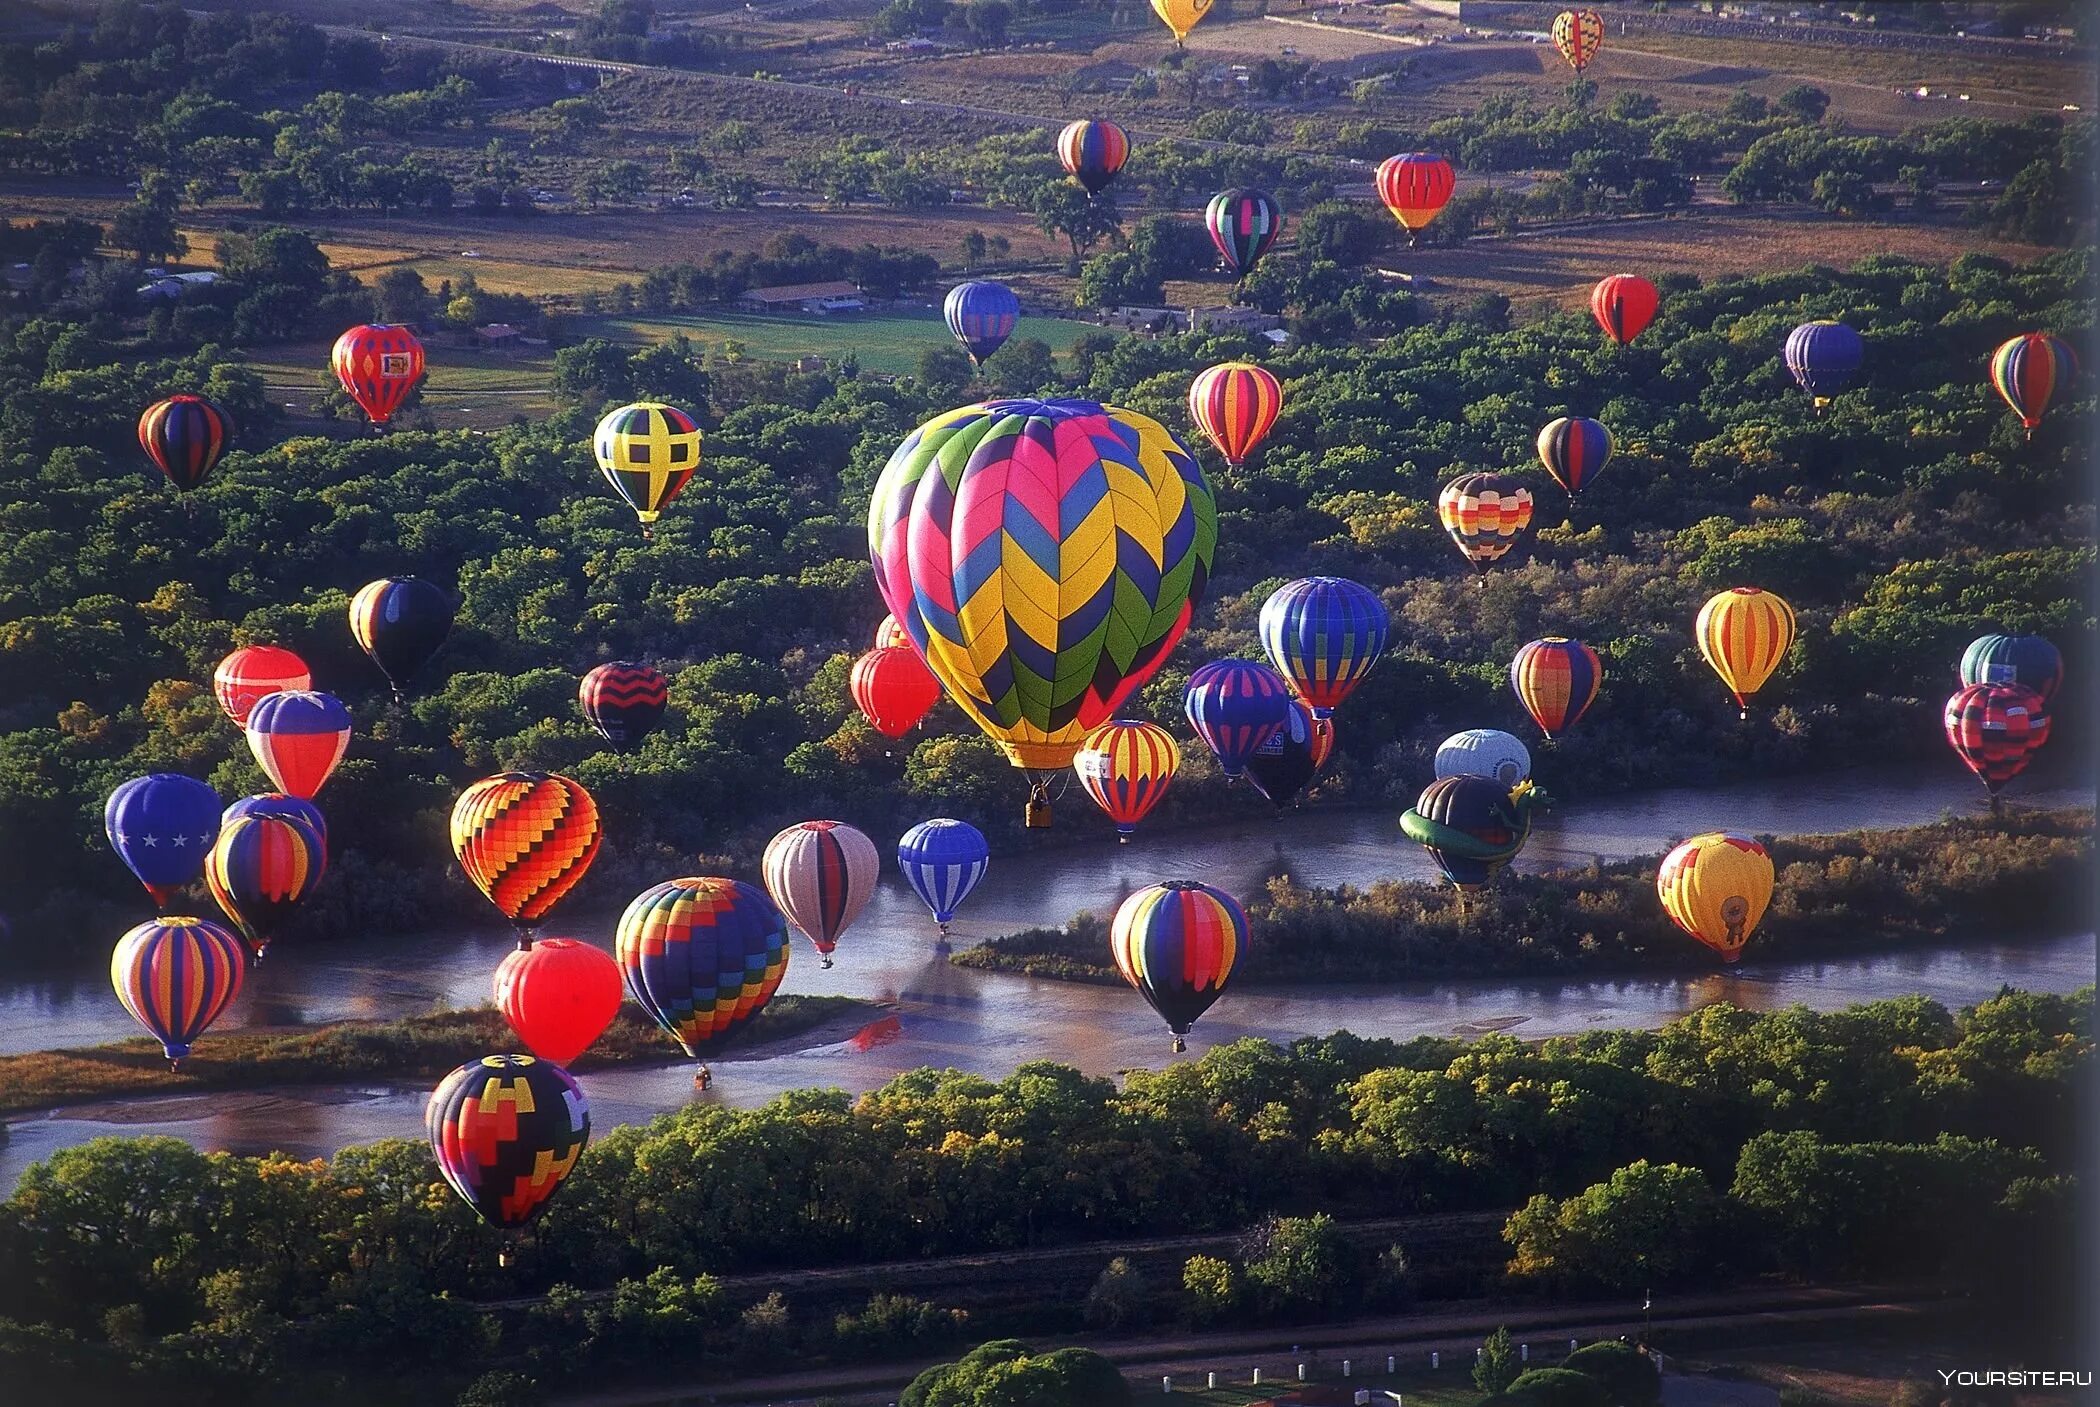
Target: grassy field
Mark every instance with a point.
(884, 342)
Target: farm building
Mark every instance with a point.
(175, 285)
(837, 297)
(1142, 319)
(1232, 320)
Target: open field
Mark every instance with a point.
(884, 342)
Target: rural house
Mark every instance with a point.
(837, 297)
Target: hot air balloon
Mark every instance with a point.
(821, 874)
(981, 315)
(1472, 826)
(1624, 305)
(2029, 370)
(1280, 767)
(942, 861)
(1093, 152)
(1555, 679)
(261, 870)
(1823, 356)
(399, 621)
(253, 672)
(1045, 557)
(1181, 16)
(1126, 767)
(1996, 729)
(648, 452)
(1574, 450)
(378, 366)
(1578, 34)
(278, 804)
(162, 827)
(1235, 706)
(1323, 634)
(1234, 405)
(1243, 224)
(176, 976)
(1484, 752)
(1715, 887)
(558, 995)
(1485, 514)
(1415, 186)
(525, 839)
(702, 956)
(889, 633)
(506, 1130)
(2027, 660)
(184, 436)
(1744, 633)
(1177, 943)
(297, 736)
(894, 688)
(624, 702)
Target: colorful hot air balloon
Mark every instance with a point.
(1574, 450)
(1744, 633)
(702, 956)
(1555, 679)
(821, 874)
(1578, 34)
(1093, 152)
(1235, 706)
(184, 436)
(1045, 557)
(297, 736)
(1485, 514)
(254, 671)
(1323, 634)
(981, 315)
(1996, 729)
(1280, 767)
(1823, 357)
(1243, 224)
(1415, 186)
(1177, 944)
(378, 366)
(162, 827)
(942, 861)
(889, 633)
(176, 976)
(2029, 370)
(1472, 826)
(894, 689)
(1126, 767)
(1181, 16)
(281, 805)
(2027, 660)
(1624, 305)
(1715, 887)
(261, 870)
(1234, 405)
(648, 452)
(624, 702)
(525, 839)
(559, 995)
(506, 1130)
(1484, 752)
(399, 621)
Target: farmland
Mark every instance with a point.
(889, 342)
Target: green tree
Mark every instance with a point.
(1213, 1288)
(1062, 208)
(1119, 1298)
(1647, 1224)
(1496, 1366)
(1558, 1387)
(1627, 1375)
(1299, 1265)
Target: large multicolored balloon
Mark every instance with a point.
(1044, 557)
(378, 364)
(1235, 706)
(525, 839)
(184, 436)
(1177, 944)
(981, 315)
(261, 870)
(821, 874)
(1243, 224)
(648, 452)
(1555, 679)
(298, 736)
(1996, 729)
(282, 806)
(625, 702)
(942, 861)
(1472, 826)
(399, 622)
(2029, 370)
(1744, 633)
(894, 689)
(1715, 887)
(1578, 34)
(1126, 767)
(1092, 152)
(253, 672)
(702, 956)
(1415, 187)
(1823, 356)
(1624, 305)
(1574, 450)
(506, 1130)
(1484, 752)
(1181, 16)
(1280, 767)
(1486, 515)
(162, 827)
(176, 976)
(559, 995)
(1323, 634)
(1235, 404)
(2027, 660)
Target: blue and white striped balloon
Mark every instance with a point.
(1484, 752)
(942, 860)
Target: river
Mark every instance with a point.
(990, 1022)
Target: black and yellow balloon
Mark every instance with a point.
(648, 452)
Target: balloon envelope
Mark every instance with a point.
(1415, 187)
(252, 673)
(1235, 706)
(1177, 944)
(1574, 450)
(821, 874)
(942, 860)
(1125, 767)
(277, 803)
(378, 365)
(184, 436)
(1092, 152)
(1744, 633)
(162, 827)
(1323, 634)
(261, 870)
(506, 1130)
(981, 315)
(1234, 405)
(1485, 514)
(2029, 371)
(1280, 767)
(1555, 679)
(297, 737)
(559, 995)
(894, 689)
(702, 956)
(1578, 34)
(1995, 729)
(1823, 357)
(176, 976)
(1715, 887)
(648, 452)
(1484, 752)
(2027, 660)
(399, 622)
(1243, 224)
(1471, 826)
(525, 839)
(624, 702)
(1181, 16)
(1624, 305)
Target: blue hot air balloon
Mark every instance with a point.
(1236, 706)
(1323, 633)
(285, 807)
(162, 827)
(1823, 356)
(982, 315)
(942, 861)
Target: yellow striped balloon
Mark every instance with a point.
(648, 452)
(176, 976)
(1235, 404)
(1126, 766)
(1181, 16)
(1715, 887)
(1744, 633)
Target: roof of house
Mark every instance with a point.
(800, 292)
(498, 331)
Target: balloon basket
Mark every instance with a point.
(1181, 1047)
(1036, 816)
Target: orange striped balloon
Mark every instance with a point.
(1556, 679)
(525, 839)
(1126, 766)
(1578, 34)
(1234, 404)
(1744, 633)
(1415, 186)
(176, 976)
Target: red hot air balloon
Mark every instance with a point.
(894, 689)
(252, 673)
(559, 995)
(1235, 404)
(297, 737)
(1996, 729)
(1624, 305)
(1415, 186)
(184, 437)
(378, 364)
